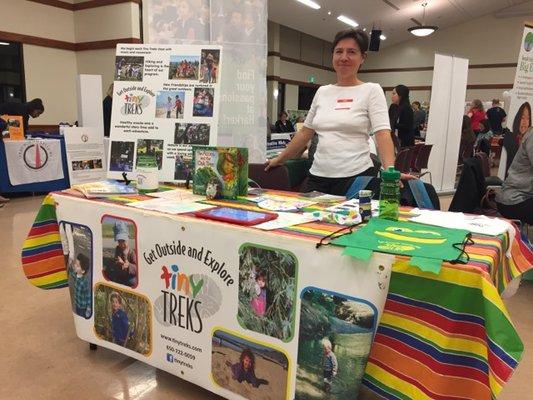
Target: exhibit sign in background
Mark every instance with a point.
(85, 154)
(241, 28)
(519, 115)
(166, 99)
(198, 306)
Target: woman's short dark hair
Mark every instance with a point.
(360, 37)
(283, 113)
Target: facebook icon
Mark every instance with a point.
(170, 357)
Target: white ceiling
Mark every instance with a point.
(392, 16)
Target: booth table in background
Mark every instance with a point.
(44, 167)
(440, 336)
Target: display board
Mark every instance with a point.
(166, 99)
(240, 312)
(85, 154)
(448, 93)
(241, 28)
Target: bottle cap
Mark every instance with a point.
(390, 174)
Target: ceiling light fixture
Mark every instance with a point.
(423, 30)
(4, 44)
(382, 37)
(329, 12)
(347, 21)
(310, 3)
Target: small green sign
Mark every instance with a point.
(312, 79)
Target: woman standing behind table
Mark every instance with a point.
(404, 122)
(342, 115)
(476, 114)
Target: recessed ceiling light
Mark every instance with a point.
(347, 21)
(364, 29)
(329, 12)
(4, 44)
(309, 3)
(383, 37)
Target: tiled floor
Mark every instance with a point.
(41, 357)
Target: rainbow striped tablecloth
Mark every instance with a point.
(445, 336)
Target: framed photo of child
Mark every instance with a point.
(77, 244)
(119, 251)
(267, 294)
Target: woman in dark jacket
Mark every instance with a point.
(404, 122)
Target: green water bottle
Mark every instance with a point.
(389, 199)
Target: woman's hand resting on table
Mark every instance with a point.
(273, 163)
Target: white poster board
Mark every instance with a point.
(166, 99)
(85, 155)
(519, 115)
(448, 94)
(165, 293)
(90, 110)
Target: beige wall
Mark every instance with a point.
(98, 62)
(51, 75)
(291, 97)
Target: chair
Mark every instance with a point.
(485, 167)
(403, 160)
(276, 178)
(421, 162)
(416, 152)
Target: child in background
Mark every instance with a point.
(124, 268)
(170, 107)
(330, 365)
(119, 320)
(259, 301)
(244, 370)
(82, 288)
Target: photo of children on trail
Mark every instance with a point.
(209, 66)
(183, 67)
(77, 244)
(334, 342)
(123, 318)
(267, 291)
(129, 68)
(150, 148)
(249, 369)
(119, 250)
(170, 104)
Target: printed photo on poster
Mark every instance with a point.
(121, 158)
(210, 61)
(123, 317)
(183, 67)
(267, 291)
(522, 119)
(77, 244)
(129, 68)
(86, 165)
(119, 251)
(183, 165)
(150, 148)
(170, 104)
(203, 102)
(334, 342)
(191, 134)
(248, 368)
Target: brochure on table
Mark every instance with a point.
(240, 312)
(166, 99)
(85, 155)
(14, 127)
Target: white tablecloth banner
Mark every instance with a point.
(32, 161)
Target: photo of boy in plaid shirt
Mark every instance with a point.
(82, 287)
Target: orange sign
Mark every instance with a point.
(14, 129)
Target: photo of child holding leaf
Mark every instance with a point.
(267, 291)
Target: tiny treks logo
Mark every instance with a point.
(134, 104)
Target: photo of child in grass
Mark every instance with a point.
(334, 342)
(77, 243)
(249, 369)
(267, 291)
(119, 251)
(123, 318)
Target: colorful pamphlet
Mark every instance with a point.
(14, 129)
(226, 167)
(104, 189)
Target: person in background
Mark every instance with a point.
(342, 115)
(496, 115)
(468, 137)
(484, 137)
(515, 200)
(107, 105)
(404, 123)
(283, 125)
(419, 118)
(26, 110)
(476, 115)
